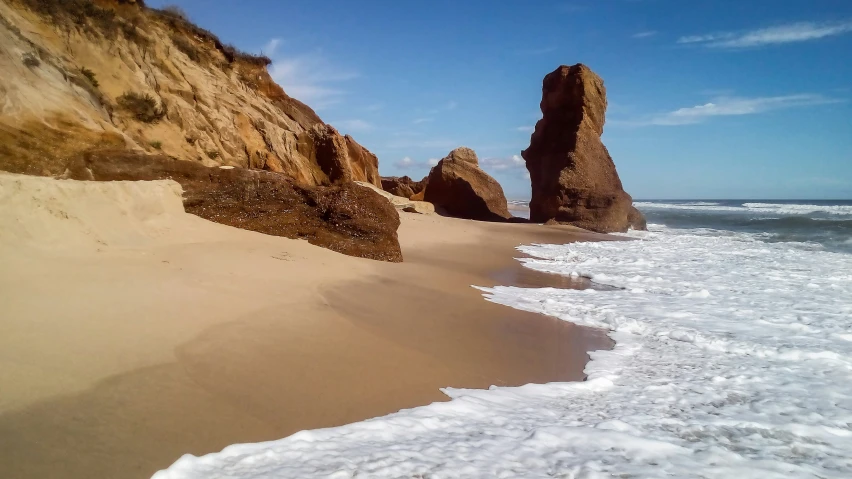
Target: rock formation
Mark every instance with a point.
(573, 177)
(402, 185)
(346, 218)
(459, 186)
(82, 74)
(400, 202)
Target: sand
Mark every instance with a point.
(132, 333)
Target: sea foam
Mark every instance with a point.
(733, 358)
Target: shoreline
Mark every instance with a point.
(149, 352)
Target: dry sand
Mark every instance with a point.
(132, 333)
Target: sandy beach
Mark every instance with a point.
(133, 333)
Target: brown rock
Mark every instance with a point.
(402, 185)
(340, 158)
(573, 177)
(346, 218)
(636, 219)
(459, 186)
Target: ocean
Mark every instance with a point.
(732, 323)
(821, 224)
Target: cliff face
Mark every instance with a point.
(573, 178)
(87, 74)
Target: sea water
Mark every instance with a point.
(733, 358)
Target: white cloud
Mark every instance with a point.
(374, 107)
(353, 126)
(735, 106)
(790, 33)
(526, 129)
(418, 121)
(646, 34)
(451, 105)
(409, 164)
(502, 164)
(308, 77)
(405, 163)
(272, 47)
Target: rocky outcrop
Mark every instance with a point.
(83, 74)
(401, 203)
(346, 218)
(573, 178)
(459, 186)
(402, 185)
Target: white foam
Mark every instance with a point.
(693, 206)
(732, 359)
(804, 209)
(765, 208)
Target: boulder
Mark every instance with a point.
(345, 218)
(339, 157)
(400, 202)
(402, 185)
(459, 186)
(573, 178)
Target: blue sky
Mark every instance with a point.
(708, 99)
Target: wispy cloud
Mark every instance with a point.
(525, 129)
(502, 164)
(512, 166)
(307, 77)
(408, 164)
(732, 106)
(353, 126)
(374, 107)
(790, 33)
(418, 121)
(646, 34)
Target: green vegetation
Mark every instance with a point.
(31, 60)
(157, 145)
(143, 107)
(175, 11)
(128, 21)
(187, 48)
(90, 75)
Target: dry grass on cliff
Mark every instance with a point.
(88, 16)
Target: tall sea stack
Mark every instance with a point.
(572, 175)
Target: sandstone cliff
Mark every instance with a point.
(111, 89)
(80, 74)
(573, 177)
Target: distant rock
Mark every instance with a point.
(402, 185)
(346, 218)
(459, 186)
(573, 178)
(400, 202)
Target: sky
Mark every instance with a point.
(746, 99)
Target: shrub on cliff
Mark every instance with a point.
(143, 107)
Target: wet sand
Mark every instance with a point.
(115, 363)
